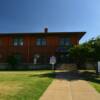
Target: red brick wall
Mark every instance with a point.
(29, 48)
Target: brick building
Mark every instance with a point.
(26, 46)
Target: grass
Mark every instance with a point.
(96, 83)
(24, 85)
(96, 86)
(93, 79)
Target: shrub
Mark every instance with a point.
(12, 61)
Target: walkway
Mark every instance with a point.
(68, 86)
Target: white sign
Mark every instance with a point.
(35, 60)
(36, 56)
(52, 60)
(99, 66)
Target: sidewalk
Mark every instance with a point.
(68, 86)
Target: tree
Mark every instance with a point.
(94, 53)
(94, 45)
(79, 55)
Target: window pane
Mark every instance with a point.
(67, 42)
(1, 42)
(20, 42)
(38, 42)
(43, 42)
(61, 41)
(15, 43)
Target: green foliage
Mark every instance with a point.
(94, 52)
(13, 61)
(89, 51)
(79, 54)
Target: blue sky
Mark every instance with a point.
(58, 15)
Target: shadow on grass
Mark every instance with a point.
(48, 75)
(68, 75)
(90, 76)
(71, 76)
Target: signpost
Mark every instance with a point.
(35, 58)
(98, 66)
(53, 61)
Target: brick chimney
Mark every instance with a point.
(46, 29)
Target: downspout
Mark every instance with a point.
(28, 50)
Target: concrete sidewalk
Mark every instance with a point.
(68, 86)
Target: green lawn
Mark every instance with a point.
(96, 85)
(24, 85)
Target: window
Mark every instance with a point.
(0, 55)
(65, 42)
(18, 41)
(1, 42)
(41, 42)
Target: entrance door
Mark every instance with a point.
(62, 57)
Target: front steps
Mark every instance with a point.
(67, 67)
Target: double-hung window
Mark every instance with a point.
(1, 42)
(65, 42)
(18, 41)
(41, 42)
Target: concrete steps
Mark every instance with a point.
(67, 67)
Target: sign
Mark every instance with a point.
(35, 60)
(99, 66)
(52, 60)
(36, 56)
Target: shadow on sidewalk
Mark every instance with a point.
(71, 76)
